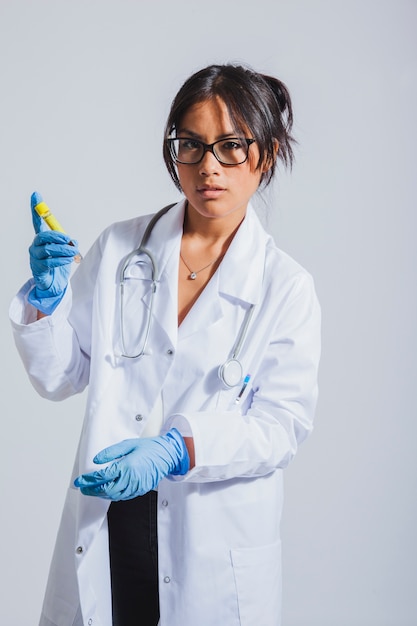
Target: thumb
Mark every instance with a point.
(38, 223)
(116, 451)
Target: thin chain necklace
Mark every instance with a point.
(193, 273)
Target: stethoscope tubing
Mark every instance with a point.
(155, 277)
(231, 372)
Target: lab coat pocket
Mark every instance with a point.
(257, 573)
(239, 397)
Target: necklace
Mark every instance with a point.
(193, 274)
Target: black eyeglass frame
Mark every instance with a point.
(209, 147)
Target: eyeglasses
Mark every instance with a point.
(230, 151)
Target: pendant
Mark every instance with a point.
(193, 275)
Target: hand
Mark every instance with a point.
(51, 255)
(141, 464)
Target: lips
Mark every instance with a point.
(210, 191)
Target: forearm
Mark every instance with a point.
(40, 315)
(189, 442)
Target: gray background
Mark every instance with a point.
(85, 90)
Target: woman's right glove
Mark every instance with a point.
(51, 255)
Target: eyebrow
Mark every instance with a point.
(190, 133)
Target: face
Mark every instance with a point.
(213, 190)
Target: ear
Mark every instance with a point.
(268, 162)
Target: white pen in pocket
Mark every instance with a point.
(241, 392)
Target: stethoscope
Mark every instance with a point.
(231, 372)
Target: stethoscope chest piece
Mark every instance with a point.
(231, 373)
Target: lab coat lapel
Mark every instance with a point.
(239, 277)
(242, 269)
(205, 311)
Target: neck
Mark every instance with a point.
(213, 230)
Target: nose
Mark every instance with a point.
(209, 164)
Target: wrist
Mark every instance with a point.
(189, 442)
(44, 304)
(181, 449)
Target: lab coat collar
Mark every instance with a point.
(239, 275)
(246, 251)
(242, 269)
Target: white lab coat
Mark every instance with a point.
(218, 526)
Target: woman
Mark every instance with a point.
(202, 374)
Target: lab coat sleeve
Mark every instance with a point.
(55, 350)
(48, 347)
(280, 406)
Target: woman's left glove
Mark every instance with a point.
(140, 465)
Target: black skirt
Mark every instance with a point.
(133, 546)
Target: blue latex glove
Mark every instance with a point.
(51, 255)
(141, 464)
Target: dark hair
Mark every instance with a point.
(255, 102)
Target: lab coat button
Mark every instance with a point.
(170, 352)
(164, 502)
(90, 621)
(79, 550)
(139, 417)
(167, 579)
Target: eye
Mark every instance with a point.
(189, 145)
(232, 144)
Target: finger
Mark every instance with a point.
(52, 236)
(40, 250)
(89, 480)
(55, 239)
(100, 484)
(51, 255)
(101, 477)
(99, 491)
(111, 491)
(116, 451)
(49, 265)
(38, 223)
